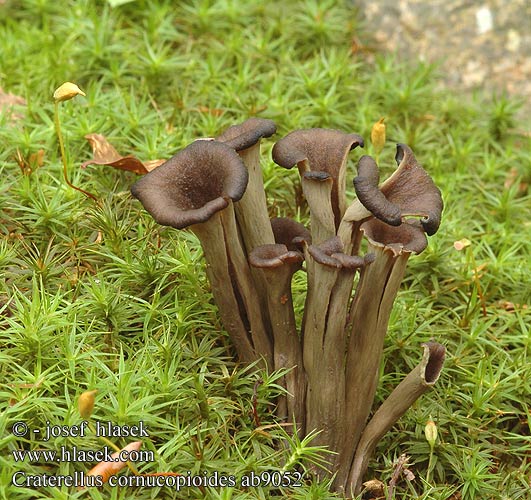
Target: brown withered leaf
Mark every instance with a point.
(29, 164)
(105, 154)
(211, 111)
(512, 177)
(8, 102)
(511, 307)
(374, 489)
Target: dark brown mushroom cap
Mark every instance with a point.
(325, 149)
(410, 191)
(369, 194)
(248, 133)
(408, 237)
(413, 190)
(273, 256)
(290, 233)
(193, 185)
(317, 176)
(330, 253)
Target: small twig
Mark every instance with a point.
(399, 467)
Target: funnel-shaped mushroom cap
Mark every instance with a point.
(289, 232)
(410, 191)
(248, 133)
(324, 150)
(408, 237)
(193, 185)
(273, 256)
(413, 190)
(369, 194)
(330, 253)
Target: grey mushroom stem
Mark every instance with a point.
(212, 239)
(325, 336)
(317, 189)
(253, 222)
(414, 385)
(251, 210)
(277, 266)
(321, 279)
(247, 289)
(369, 317)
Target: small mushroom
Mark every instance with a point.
(319, 150)
(410, 191)
(290, 233)
(251, 211)
(278, 264)
(247, 134)
(330, 253)
(416, 383)
(409, 237)
(195, 189)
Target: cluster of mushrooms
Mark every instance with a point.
(215, 188)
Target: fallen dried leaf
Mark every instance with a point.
(31, 163)
(373, 489)
(512, 178)
(8, 102)
(105, 154)
(409, 475)
(511, 306)
(12, 400)
(211, 111)
(99, 238)
(455, 496)
(33, 385)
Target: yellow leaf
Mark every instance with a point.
(378, 135)
(85, 403)
(430, 431)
